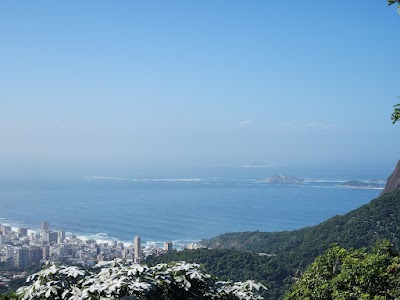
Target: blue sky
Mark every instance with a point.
(102, 86)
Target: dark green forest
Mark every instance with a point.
(286, 254)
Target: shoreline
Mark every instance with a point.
(98, 237)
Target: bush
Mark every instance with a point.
(121, 280)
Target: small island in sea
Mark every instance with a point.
(284, 179)
(362, 184)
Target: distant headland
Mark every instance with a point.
(284, 179)
(362, 184)
(393, 182)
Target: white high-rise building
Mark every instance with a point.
(61, 236)
(44, 229)
(137, 245)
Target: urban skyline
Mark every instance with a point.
(19, 248)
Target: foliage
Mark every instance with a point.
(390, 2)
(294, 250)
(361, 227)
(228, 265)
(9, 296)
(396, 113)
(351, 274)
(121, 280)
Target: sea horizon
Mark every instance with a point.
(179, 209)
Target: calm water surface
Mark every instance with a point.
(176, 210)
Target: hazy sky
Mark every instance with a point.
(101, 85)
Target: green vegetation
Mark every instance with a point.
(286, 254)
(119, 279)
(235, 254)
(10, 296)
(390, 2)
(396, 113)
(361, 227)
(233, 265)
(13, 286)
(351, 274)
(15, 283)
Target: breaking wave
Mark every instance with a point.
(105, 178)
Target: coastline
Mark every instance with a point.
(102, 238)
(184, 212)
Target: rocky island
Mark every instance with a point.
(362, 184)
(284, 179)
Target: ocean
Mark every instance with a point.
(181, 210)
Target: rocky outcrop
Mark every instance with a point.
(361, 184)
(284, 179)
(393, 182)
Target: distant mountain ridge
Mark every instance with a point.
(359, 228)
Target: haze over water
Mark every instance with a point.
(224, 92)
(177, 209)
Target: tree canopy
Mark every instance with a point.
(390, 2)
(351, 274)
(396, 113)
(124, 280)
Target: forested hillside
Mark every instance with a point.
(361, 227)
(291, 251)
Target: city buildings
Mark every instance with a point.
(168, 246)
(23, 247)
